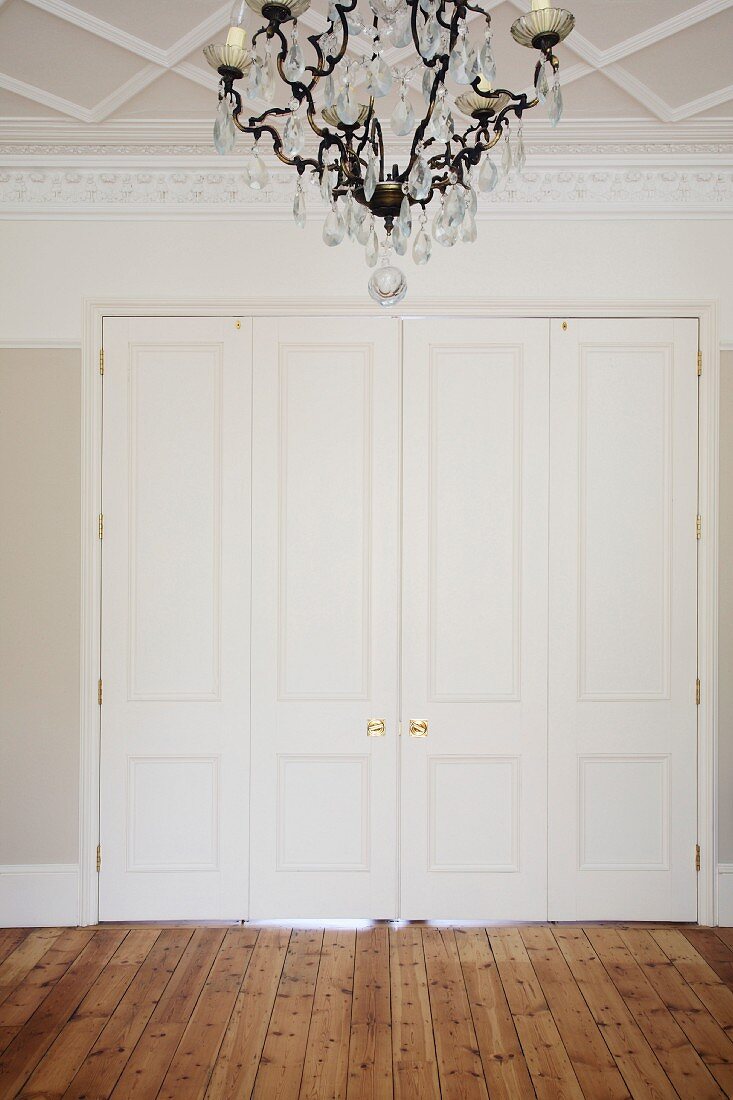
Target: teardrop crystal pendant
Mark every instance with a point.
(293, 136)
(299, 206)
(520, 153)
(457, 64)
(378, 77)
(486, 61)
(419, 180)
(428, 78)
(405, 217)
(354, 22)
(471, 201)
(443, 125)
(259, 177)
(329, 92)
(348, 107)
(399, 240)
(355, 215)
(488, 176)
(225, 134)
(554, 103)
(403, 116)
(333, 227)
(429, 38)
(438, 227)
(387, 285)
(372, 247)
(253, 81)
(444, 232)
(506, 156)
(402, 33)
(328, 182)
(371, 178)
(422, 248)
(365, 228)
(347, 215)
(294, 63)
(455, 207)
(542, 84)
(267, 81)
(468, 228)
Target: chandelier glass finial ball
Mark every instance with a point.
(387, 285)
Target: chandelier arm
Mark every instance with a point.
(414, 8)
(367, 123)
(479, 11)
(257, 130)
(439, 15)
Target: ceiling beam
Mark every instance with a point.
(46, 99)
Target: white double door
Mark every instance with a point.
(473, 624)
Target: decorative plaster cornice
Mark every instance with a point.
(182, 138)
(156, 187)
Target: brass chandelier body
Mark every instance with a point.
(346, 152)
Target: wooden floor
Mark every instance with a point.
(407, 1012)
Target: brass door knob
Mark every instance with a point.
(376, 727)
(418, 727)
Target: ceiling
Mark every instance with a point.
(98, 68)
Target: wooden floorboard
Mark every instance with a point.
(411, 1012)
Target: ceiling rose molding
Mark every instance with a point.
(564, 188)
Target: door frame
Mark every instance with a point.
(705, 312)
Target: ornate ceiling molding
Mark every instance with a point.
(178, 138)
(160, 187)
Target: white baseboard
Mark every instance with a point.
(725, 894)
(39, 894)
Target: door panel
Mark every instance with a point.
(175, 600)
(474, 653)
(623, 630)
(325, 617)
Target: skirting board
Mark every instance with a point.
(39, 894)
(725, 894)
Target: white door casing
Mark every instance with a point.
(175, 619)
(609, 418)
(325, 617)
(474, 656)
(623, 620)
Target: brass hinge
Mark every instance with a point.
(698, 527)
(101, 525)
(399, 729)
(697, 857)
(99, 858)
(699, 363)
(697, 691)
(99, 692)
(101, 360)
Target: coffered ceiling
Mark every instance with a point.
(100, 71)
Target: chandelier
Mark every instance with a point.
(333, 95)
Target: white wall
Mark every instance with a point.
(40, 431)
(47, 267)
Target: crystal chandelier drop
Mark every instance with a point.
(330, 129)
